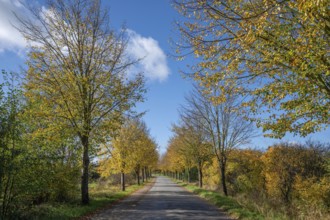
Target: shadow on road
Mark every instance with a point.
(165, 200)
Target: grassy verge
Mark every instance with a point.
(228, 204)
(99, 199)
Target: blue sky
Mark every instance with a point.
(150, 25)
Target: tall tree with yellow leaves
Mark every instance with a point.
(77, 72)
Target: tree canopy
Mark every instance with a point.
(275, 51)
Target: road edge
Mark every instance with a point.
(140, 192)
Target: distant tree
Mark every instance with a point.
(131, 150)
(175, 160)
(194, 143)
(77, 72)
(146, 156)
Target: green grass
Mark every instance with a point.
(99, 198)
(228, 204)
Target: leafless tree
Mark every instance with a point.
(225, 125)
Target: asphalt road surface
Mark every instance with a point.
(165, 200)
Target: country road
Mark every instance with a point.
(165, 200)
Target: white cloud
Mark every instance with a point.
(153, 63)
(10, 38)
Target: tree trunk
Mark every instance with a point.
(84, 178)
(143, 174)
(137, 172)
(122, 181)
(223, 175)
(200, 175)
(188, 175)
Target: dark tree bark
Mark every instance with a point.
(223, 176)
(84, 178)
(137, 172)
(200, 175)
(122, 180)
(146, 173)
(188, 175)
